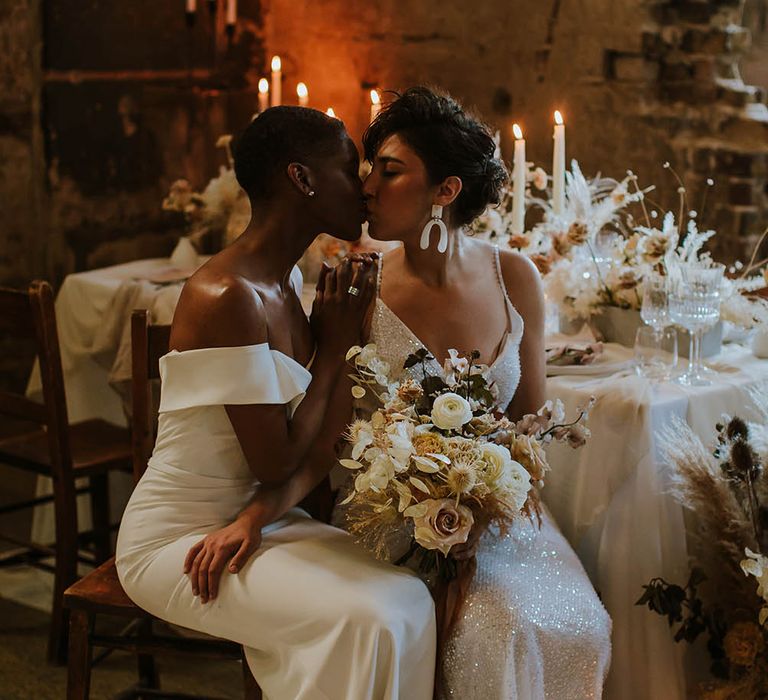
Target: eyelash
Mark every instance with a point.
(387, 174)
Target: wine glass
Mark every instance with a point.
(655, 352)
(655, 307)
(694, 304)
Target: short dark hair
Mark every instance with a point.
(449, 140)
(277, 137)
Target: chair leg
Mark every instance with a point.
(100, 516)
(148, 675)
(79, 664)
(251, 690)
(65, 573)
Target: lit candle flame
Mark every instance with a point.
(517, 131)
(330, 112)
(277, 64)
(263, 86)
(301, 90)
(375, 99)
(558, 117)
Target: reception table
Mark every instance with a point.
(611, 500)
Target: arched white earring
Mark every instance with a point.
(311, 193)
(436, 220)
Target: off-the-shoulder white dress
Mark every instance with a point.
(320, 619)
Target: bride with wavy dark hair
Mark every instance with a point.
(531, 626)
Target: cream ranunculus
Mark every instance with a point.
(450, 411)
(440, 523)
(516, 483)
(497, 459)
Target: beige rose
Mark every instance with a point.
(543, 263)
(655, 248)
(742, 643)
(440, 523)
(409, 391)
(529, 452)
(561, 244)
(450, 411)
(577, 233)
(519, 241)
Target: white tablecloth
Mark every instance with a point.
(609, 498)
(611, 501)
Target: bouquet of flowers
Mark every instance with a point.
(726, 597)
(436, 459)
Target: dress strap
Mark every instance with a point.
(499, 276)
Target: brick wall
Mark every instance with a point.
(641, 82)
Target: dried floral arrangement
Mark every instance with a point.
(726, 596)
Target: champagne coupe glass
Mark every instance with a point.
(694, 304)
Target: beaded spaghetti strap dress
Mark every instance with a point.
(532, 626)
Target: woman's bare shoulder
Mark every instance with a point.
(523, 283)
(218, 309)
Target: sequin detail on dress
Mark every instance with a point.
(533, 626)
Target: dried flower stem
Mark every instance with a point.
(683, 202)
(748, 268)
(633, 179)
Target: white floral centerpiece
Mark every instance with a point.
(222, 209)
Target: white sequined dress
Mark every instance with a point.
(532, 625)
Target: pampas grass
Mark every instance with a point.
(723, 526)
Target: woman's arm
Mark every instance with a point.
(234, 544)
(524, 287)
(229, 312)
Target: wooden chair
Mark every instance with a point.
(100, 592)
(44, 443)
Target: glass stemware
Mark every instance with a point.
(655, 353)
(651, 358)
(694, 304)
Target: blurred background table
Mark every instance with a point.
(611, 500)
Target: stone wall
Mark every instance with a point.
(640, 82)
(22, 169)
(102, 106)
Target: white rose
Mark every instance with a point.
(497, 459)
(450, 411)
(516, 482)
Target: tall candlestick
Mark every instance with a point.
(375, 104)
(263, 94)
(303, 94)
(519, 173)
(190, 10)
(330, 112)
(277, 78)
(558, 166)
(231, 12)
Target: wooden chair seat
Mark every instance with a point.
(100, 591)
(97, 447)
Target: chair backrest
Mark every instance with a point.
(148, 344)
(30, 316)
